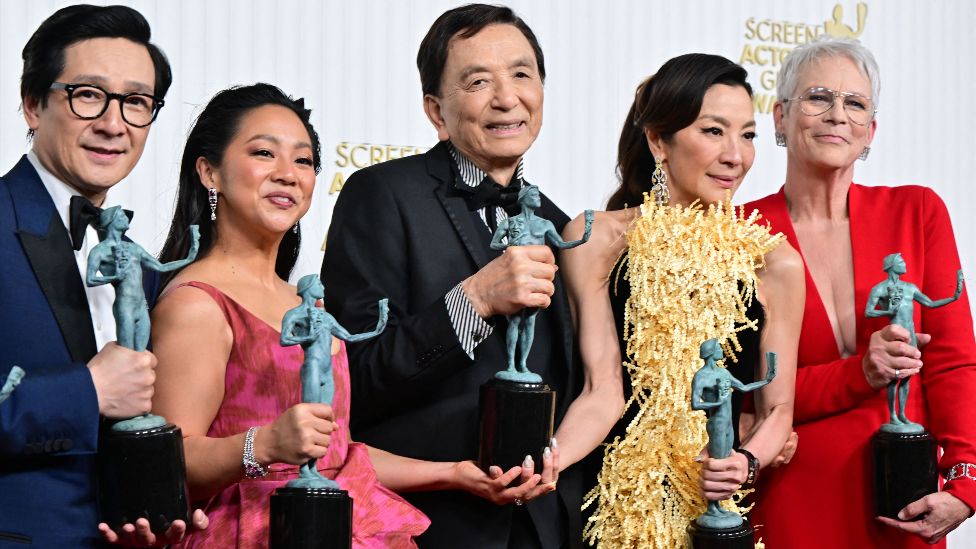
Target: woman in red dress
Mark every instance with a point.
(825, 117)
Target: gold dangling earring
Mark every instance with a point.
(659, 185)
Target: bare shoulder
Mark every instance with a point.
(784, 261)
(187, 305)
(608, 227)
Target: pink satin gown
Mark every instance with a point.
(262, 381)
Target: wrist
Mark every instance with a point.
(468, 287)
(753, 465)
(254, 467)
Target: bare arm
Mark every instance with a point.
(782, 290)
(192, 341)
(601, 403)
(403, 474)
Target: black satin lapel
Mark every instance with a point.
(53, 262)
(463, 221)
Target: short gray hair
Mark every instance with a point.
(827, 46)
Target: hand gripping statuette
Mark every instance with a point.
(904, 453)
(312, 511)
(516, 409)
(711, 390)
(142, 472)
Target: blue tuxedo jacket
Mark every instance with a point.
(49, 425)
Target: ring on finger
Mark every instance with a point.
(518, 502)
(898, 374)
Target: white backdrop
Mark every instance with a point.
(354, 62)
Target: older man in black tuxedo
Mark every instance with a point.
(417, 230)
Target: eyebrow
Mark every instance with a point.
(724, 121)
(276, 141)
(474, 69)
(132, 85)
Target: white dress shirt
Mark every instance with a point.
(100, 298)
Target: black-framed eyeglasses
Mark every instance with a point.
(89, 101)
(816, 101)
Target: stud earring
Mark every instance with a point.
(212, 199)
(659, 185)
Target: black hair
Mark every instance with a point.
(209, 137)
(44, 53)
(465, 22)
(666, 103)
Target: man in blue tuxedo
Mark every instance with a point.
(91, 86)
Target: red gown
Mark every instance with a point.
(823, 498)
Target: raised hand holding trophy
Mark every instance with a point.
(711, 390)
(312, 511)
(142, 471)
(905, 463)
(516, 408)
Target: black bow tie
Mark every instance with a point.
(488, 193)
(81, 214)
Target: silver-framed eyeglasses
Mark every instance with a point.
(88, 102)
(816, 101)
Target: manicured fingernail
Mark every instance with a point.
(546, 453)
(553, 444)
(527, 462)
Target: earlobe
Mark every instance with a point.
(432, 107)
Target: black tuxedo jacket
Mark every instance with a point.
(402, 230)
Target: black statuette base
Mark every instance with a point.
(905, 470)
(142, 474)
(516, 420)
(307, 518)
(739, 537)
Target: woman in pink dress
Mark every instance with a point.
(247, 176)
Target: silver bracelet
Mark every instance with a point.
(252, 469)
(962, 470)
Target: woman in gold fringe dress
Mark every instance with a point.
(686, 267)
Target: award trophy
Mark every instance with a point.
(312, 511)
(904, 453)
(711, 390)
(516, 409)
(142, 471)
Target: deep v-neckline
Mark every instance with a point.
(824, 319)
